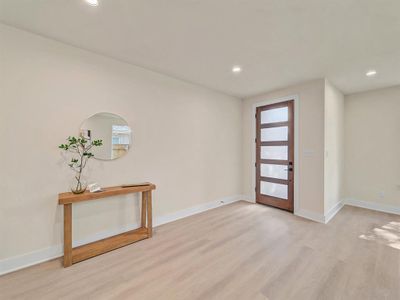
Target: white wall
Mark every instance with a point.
(47, 89)
(372, 152)
(186, 139)
(334, 148)
(310, 164)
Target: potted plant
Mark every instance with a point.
(80, 148)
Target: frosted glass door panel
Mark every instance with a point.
(274, 134)
(274, 152)
(274, 171)
(274, 189)
(275, 115)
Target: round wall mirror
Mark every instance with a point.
(113, 130)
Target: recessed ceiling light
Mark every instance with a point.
(92, 2)
(236, 69)
(371, 73)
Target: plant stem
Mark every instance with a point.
(79, 184)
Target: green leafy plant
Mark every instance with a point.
(80, 147)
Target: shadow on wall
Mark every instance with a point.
(388, 234)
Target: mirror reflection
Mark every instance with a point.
(113, 130)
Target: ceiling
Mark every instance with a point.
(277, 42)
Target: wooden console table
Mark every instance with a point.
(77, 254)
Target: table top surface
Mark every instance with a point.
(65, 198)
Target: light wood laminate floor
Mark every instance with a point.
(238, 251)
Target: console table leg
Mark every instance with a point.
(143, 218)
(67, 235)
(149, 214)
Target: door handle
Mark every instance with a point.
(290, 169)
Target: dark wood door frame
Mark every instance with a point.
(290, 163)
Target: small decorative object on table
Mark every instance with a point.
(94, 188)
(80, 148)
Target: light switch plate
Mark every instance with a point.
(308, 153)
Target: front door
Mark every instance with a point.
(275, 155)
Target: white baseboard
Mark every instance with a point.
(313, 216)
(320, 218)
(373, 206)
(29, 259)
(333, 211)
(195, 210)
(249, 198)
(15, 263)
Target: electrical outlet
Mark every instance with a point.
(381, 194)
